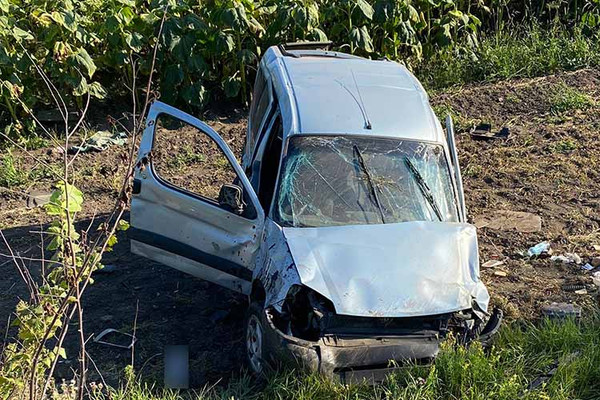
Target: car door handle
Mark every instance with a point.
(137, 186)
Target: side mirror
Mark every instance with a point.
(230, 198)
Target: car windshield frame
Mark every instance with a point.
(422, 192)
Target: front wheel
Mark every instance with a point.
(255, 350)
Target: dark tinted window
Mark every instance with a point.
(260, 104)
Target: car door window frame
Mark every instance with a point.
(250, 196)
(258, 154)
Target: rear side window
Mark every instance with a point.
(260, 104)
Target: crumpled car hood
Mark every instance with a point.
(391, 270)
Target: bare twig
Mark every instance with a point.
(137, 304)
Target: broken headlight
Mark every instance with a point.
(305, 313)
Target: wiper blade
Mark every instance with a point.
(363, 167)
(423, 187)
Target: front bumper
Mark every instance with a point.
(349, 359)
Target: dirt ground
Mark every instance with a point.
(549, 165)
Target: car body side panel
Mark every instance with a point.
(275, 267)
(191, 267)
(391, 270)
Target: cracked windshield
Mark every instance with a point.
(343, 180)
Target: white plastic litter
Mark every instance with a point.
(539, 249)
(567, 258)
(596, 278)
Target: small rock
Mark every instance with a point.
(580, 291)
(596, 247)
(38, 198)
(55, 151)
(506, 220)
(492, 263)
(500, 273)
(562, 310)
(595, 262)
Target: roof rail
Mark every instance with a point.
(285, 48)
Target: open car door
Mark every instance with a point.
(192, 206)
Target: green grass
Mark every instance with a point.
(565, 146)
(565, 98)
(187, 156)
(11, 172)
(516, 52)
(521, 353)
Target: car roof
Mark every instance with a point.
(329, 92)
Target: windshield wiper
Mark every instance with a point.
(423, 187)
(363, 167)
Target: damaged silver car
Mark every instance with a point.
(345, 223)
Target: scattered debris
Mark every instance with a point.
(595, 262)
(540, 249)
(100, 141)
(500, 273)
(581, 291)
(596, 278)
(121, 340)
(492, 264)
(567, 258)
(573, 287)
(587, 267)
(561, 311)
(38, 198)
(506, 220)
(484, 132)
(596, 247)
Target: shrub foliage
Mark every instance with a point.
(211, 47)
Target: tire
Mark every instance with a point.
(255, 339)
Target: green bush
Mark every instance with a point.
(212, 47)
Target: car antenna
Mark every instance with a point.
(362, 104)
(359, 103)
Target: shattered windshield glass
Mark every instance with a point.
(346, 180)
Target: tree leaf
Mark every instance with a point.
(81, 88)
(83, 60)
(4, 6)
(173, 76)
(194, 95)
(246, 56)
(365, 8)
(134, 41)
(232, 86)
(123, 225)
(19, 34)
(96, 90)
